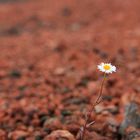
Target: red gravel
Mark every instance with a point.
(49, 50)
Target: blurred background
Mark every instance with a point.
(49, 52)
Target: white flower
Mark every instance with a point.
(106, 67)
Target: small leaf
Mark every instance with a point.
(91, 123)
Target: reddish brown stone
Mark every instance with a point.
(17, 134)
(60, 134)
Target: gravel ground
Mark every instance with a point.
(49, 52)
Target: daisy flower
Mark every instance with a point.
(106, 67)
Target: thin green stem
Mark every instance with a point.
(101, 89)
(98, 100)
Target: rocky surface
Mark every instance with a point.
(49, 51)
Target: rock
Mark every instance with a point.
(76, 101)
(15, 74)
(112, 123)
(66, 12)
(92, 136)
(2, 73)
(132, 66)
(112, 109)
(132, 117)
(132, 133)
(60, 135)
(2, 135)
(66, 112)
(60, 71)
(52, 124)
(92, 86)
(99, 109)
(38, 137)
(17, 134)
(75, 26)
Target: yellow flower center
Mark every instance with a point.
(107, 67)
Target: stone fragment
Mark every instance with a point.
(60, 135)
(17, 134)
